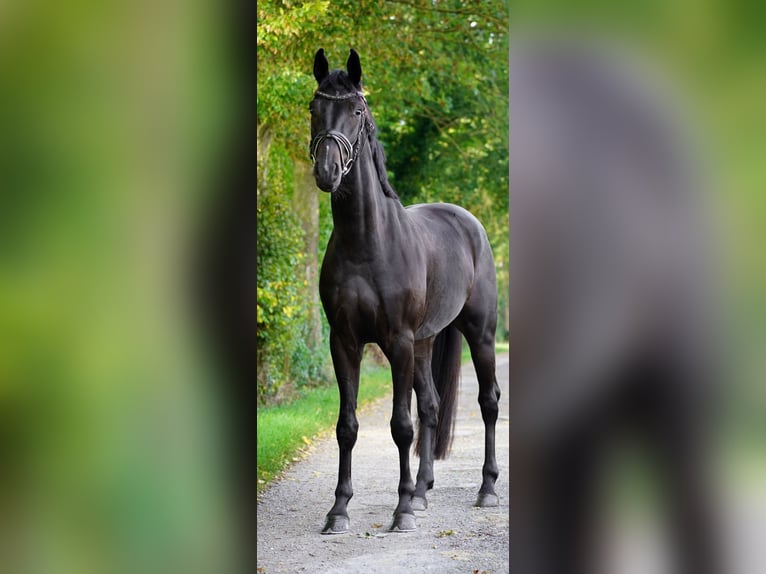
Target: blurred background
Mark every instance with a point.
(118, 122)
(709, 59)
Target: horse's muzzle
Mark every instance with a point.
(332, 154)
(327, 172)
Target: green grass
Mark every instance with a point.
(285, 430)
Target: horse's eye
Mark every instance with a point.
(358, 112)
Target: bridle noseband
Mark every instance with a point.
(347, 149)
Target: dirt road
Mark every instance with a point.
(452, 535)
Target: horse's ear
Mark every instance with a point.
(354, 68)
(321, 66)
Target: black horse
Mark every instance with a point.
(409, 279)
(614, 327)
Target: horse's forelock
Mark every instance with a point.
(339, 82)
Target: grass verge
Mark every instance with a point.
(285, 430)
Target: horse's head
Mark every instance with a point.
(338, 118)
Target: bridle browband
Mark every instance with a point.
(348, 96)
(351, 151)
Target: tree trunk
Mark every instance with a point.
(306, 205)
(263, 140)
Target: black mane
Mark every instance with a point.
(338, 83)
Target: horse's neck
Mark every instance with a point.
(362, 212)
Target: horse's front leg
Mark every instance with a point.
(346, 358)
(401, 355)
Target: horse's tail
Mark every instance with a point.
(445, 366)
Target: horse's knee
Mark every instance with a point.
(401, 429)
(346, 430)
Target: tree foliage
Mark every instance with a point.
(279, 308)
(436, 79)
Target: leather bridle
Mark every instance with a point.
(348, 151)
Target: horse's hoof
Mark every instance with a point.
(403, 523)
(336, 524)
(487, 499)
(419, 503)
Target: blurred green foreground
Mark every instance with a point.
(112, 119)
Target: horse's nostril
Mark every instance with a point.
(335, 170)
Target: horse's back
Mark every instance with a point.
(446, 222)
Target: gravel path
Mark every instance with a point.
(452, 535)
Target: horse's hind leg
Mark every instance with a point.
(483, 355)
(346, 359)
(479, 330)
(425, 391)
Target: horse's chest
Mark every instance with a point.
(369, 305)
